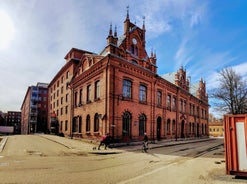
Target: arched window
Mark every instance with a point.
(168, 126)
(88, 93)
(126, 120)
(127, 88)
(96, 122)
(88, 123)
(159, 98)
(97, 90)
(134, 62)
(75, 99)
(143, 94)
(134, 50)
(202, 129)
(173, 126)
(142, 124)
(80, 124)
(74, 124)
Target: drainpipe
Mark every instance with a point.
(177, 114)
(71, 110)
(152, 123)
(153, 109)
(106, 91)
(113, 103)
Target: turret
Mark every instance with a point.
(143, 32)
(115, 38)
(127, 23)
(110, 36)
(153, 57)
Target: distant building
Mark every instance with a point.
(13, 118)
(118, 91)
(216, 128)
(34, 109)
(2, 119)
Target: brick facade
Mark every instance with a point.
(119, 92)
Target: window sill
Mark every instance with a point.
(143, 102)
(97, 99)
(126, 99)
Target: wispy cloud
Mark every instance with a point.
(208, 64)
(198, 15)
(183, 55)
(241, 69)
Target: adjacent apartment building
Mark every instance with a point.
(2, 119)
(118, 91)
(34, 109)
(13, 118)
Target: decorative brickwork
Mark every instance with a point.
(118, 91)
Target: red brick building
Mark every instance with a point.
(119, 91)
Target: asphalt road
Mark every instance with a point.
(37, 159)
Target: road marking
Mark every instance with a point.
(146, 174)
(4, 164)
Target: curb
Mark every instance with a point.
(2, 143)
(104, 153)
(58, 142)
(166, 144)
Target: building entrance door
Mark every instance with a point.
(197, 129)
(182, 129)
(158, 132)
(126, 127)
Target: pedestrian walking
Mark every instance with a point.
(145, 142)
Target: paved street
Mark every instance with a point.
(52, 159)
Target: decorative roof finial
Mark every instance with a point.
(127, 17)
(143, 26)
(110, 31)
(115, 32)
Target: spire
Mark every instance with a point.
(127, 23)
(127, 16)
(110, 31)
(152, 52)
(115, 32)
(143, 25)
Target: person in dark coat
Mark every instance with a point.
(105, 141)
(145, 142)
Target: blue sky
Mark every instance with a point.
(203, 36)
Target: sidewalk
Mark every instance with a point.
(134, 146)
(85, 146)
(91, 146)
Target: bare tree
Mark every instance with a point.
(231, 94)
